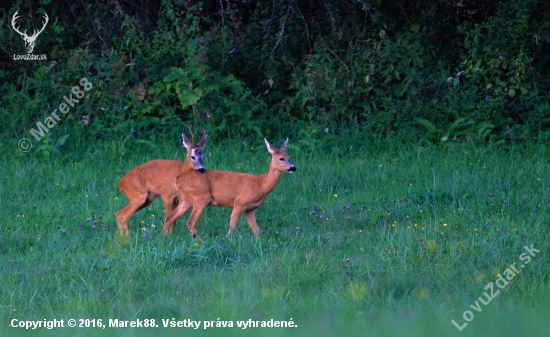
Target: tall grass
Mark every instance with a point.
(377, 241)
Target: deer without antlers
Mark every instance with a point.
(145, 182)
(243, 192)
(29, 40)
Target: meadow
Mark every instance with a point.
(370, 241)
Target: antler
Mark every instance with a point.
(44, 26)
(36, 33)
(192, 134)
(13, 21)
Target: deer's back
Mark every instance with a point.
(156, 176)
(230, 188)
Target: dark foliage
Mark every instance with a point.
(436, 71)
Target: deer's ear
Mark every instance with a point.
(186, 143)
(202, 143)
(283, 147)
(270, 147)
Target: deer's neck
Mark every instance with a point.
(186, 167)
(270, 180)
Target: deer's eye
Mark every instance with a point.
(192, 157)
(282, 159)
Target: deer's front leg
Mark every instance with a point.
(251, 219)
(235, 215)
(194, 218)
(170, 220)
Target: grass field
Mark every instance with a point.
(369, 242)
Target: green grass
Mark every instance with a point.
(378, 242)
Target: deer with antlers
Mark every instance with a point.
(243, 192)
(29, 40)
(145, 182)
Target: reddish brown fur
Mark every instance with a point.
(144, 183)
(243, 192)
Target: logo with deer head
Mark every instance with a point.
(29, 40)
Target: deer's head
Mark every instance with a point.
(29, 40)
(195, 154)
(279, 159)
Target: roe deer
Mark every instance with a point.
(243, 192)
(145, 182)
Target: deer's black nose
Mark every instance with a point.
(201, 170)
(292, 169)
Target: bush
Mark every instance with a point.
(435, 72)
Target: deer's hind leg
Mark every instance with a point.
(137, 201)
